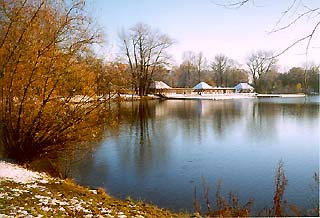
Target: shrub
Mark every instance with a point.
(47, 97)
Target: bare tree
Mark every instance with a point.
(313, 79)
(192, 68)
(234, 76)
(188, 68)
(220, 66)
(260, 63)
(200, 64)
(145, 51)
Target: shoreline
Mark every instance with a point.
(209, 96)
(227, 96)
(193, 96)
(26, 193)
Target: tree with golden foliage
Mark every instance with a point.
(48, 91)
(113, 78)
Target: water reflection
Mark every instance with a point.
(164, 147)
(144, 144)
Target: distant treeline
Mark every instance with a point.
(296, 80)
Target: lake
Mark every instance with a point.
(162, 149)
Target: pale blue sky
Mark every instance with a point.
(201, 25)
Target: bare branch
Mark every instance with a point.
(233, 5)
(295, 20)
(309, 37)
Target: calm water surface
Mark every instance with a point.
(163, 148)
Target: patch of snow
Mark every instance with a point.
(35, 186)
(205, 96)
(94, 192)
(104, 210)
(63, 203)
(3, 195)
(121, 215)
(18, 174)
(74, 200)
(23, 212)
(46, 209)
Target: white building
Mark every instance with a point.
(244, 88)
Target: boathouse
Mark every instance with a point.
(205, 88)
(244, 88)
(159, 87)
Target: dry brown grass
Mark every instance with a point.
(231, 207)
(65, 198)
(280, 183)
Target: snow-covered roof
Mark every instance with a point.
(160, 85)
(243, 86)
(202, 85)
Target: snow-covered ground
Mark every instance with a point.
(212, 96)
(18, 174)
(196, 96)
